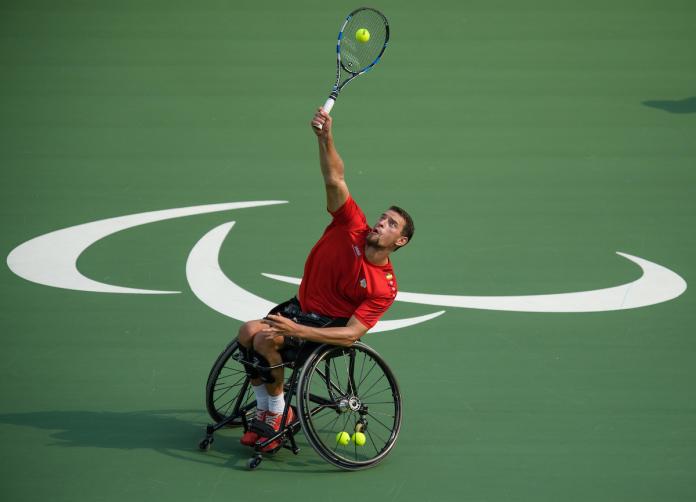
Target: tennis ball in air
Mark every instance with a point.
(358, 438)
(342, 438)
(362, 35)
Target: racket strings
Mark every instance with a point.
(356, 55)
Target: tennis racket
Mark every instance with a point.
(361, 43)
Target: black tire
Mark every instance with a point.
(353, 390)
(228, 391)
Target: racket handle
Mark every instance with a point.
(329, 104)
(327, 108)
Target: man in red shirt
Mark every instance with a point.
(348, 277)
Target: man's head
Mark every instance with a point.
(393, 230)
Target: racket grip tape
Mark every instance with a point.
(327, 108)
(329, 104)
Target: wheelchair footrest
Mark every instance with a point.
(262, 428)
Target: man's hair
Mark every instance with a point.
(409, 228)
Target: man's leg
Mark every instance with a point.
(246, 339)
(268, 345)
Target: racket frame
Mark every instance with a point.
(336, 89)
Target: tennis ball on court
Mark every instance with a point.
(358, 438)
(362, 35)
(342, 438)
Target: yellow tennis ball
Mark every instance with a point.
(362, 35)
(358, 438)
(342, 438)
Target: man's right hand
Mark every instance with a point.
(323, 119)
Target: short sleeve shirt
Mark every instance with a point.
(338, 280)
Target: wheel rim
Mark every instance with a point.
(229, 392)
(350, 390)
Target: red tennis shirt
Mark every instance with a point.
(338, 280)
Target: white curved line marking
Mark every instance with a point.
(393, 324)
(51, 259)
(657, 284)
(210, 284)
(285, 278)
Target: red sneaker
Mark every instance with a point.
(250, 437)
(273, 420)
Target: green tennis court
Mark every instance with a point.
(531, 141)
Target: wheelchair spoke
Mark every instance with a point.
(230, 370)
(316, 411)
(225, 407)
(321, 400)
(375, 434)
(358, 389)
(373, 442)
(228, 388)
(232, 374)
(376, 393)
(374, 365)
(345, 425)
(383, 414)
(362, 369)
(372, 416)
(225, 403)
(338, 380)
(329, 383)
(220, 384)
(316, 415)
(373, 384)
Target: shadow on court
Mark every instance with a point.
(166, 431)
(686, 105)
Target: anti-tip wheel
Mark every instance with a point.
(254, 462)
(205, 444)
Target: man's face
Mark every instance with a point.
(387, 231)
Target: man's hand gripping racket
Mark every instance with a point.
(361, 43)
(321, 122)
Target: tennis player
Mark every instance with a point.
(348, 282)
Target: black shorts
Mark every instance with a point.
(294, 347)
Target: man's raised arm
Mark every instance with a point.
(330, 162)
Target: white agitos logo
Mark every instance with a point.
(51, 260)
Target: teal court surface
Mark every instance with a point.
(531, 141)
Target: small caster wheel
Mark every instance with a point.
(205, 444)
(254, 462)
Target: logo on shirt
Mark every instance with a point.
(363, 283)
(356, 250)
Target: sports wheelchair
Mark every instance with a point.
(333, 390)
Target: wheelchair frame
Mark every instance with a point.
(319, 388)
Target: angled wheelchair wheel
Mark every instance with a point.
(349, 405)
(228, 392)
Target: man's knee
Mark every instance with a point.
(267, 344)
(247, 331)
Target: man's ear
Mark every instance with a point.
(401, 241)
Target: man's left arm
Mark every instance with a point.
(344, 336)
